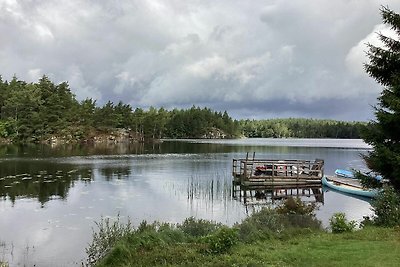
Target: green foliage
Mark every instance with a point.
(386, 207)
(107, 235)
(300, 128)
(39, 111)
(293, 217)
(383, 134)
(262, 225)
(368, 181)
(5, 129)
(366, 247)
(198, 227)
(295, 206)
(200, 123)
(340, 224)
(121, 242)
(221, 241)
(297, 216)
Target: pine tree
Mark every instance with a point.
(383, 134)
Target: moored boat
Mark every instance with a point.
(350, 188)
(350, 174)
(344, 173)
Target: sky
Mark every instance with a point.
(256, 59)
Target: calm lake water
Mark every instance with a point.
(51, 197)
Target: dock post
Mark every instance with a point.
(245, 169)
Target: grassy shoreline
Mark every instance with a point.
(371, 246)
(289, 235)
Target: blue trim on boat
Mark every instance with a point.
(344, 173)
(349, 189)
(350, 174)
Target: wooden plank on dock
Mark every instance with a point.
(266, 171)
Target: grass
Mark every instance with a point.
(271, 237)
(371, 246)
(367, 247)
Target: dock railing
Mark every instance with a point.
(253, 171)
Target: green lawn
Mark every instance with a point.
(371, 246)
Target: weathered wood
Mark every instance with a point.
(267, 171)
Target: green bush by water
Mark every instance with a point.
(202, 236)
(340, 224)
(198, 227)
(386, 207)
(104, 239)
(221, 240)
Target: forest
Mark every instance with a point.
(301, 128)
(37, 112)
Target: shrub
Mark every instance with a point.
(171, 235)
(145, 241)
(221, 240)
(198, 227)
(296, 206)
(301, 221)
(150, 235)
(292, 217)
(386, 207)
(144, 226)
(340, 224)
(105, 238)
(261, 225)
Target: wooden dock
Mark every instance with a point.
(266, 172)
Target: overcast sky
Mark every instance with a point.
(255, 59)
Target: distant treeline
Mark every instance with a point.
(34, 112)
(301, 128)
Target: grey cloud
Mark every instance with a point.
(258, 59)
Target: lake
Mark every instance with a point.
(51, 197)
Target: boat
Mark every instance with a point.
(344, 186)
(350, 174)
(344, 173)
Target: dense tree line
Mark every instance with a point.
(301, 128)
(197, 122)
(31, 112)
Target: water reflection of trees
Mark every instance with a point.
(33, 171)
(111, 173)
(39, 179)
(65, 150)
(46, 180)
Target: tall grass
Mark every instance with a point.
(107, 235)
(288, 235)
(213, 187)
(115, 242)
